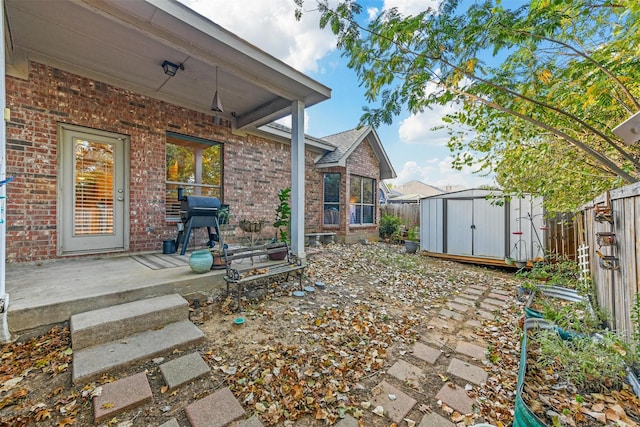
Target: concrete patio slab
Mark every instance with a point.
(472, 350)
(502, 297)
(461, 308)
(254, 421)
(465, 301)
(467, 371)
(183, 370)
(493, 301)
(171, 423)
(406, 372)
(347, 421)
(396, 409)
(121, 395)
(448, 314)
(456, 398)
(426, 353)
(216, 410)
(435, 420)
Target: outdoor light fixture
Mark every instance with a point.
(170, 69)
(629, 130)
(216, 105)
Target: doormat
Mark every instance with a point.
(161, 261)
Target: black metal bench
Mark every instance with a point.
(239, 276)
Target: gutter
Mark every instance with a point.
(4, 297)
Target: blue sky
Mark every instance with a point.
(415, 151)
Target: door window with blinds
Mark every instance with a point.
(193, 164)
(93, 186)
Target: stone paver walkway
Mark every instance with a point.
(458, 363)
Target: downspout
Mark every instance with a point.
(297, 178)
(4, 297)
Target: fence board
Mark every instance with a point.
(408, 212)
(616, 289)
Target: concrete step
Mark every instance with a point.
(89, 363)
(119, 321)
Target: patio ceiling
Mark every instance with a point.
(125, 42)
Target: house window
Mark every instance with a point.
(193, 164)
(331, 199)
(362, 200)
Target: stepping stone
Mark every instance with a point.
(482, 289)
(500, 296)
(216, 410)
(474, 291)
(462, 308)
(183, 370)
(497, 302)
(426, 353)
(485, 314)
(472, 350)
(251, 422)
(438, 322)
(470, 296)
(464, 301)
(467, 371)
(490, 307)
(171, 423)
(456, 398)
(501, 291)
(121, 395)
(451, 314)
(435, 420)
(473, 323)
(406, 372)
(397, 409)
(348, 421)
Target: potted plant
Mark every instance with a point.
(413, 240)
(282, 221)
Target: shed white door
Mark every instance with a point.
(459, 227)
(475, 227)
(489, 228)
(92, 201)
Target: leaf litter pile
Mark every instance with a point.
(296, 361)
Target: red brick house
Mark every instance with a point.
(99, 135)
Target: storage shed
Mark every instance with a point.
(483, 226)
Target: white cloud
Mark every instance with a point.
(418, 127)
(271, 26)
(439, 173)
(411, 7)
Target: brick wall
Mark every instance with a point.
(254, 168)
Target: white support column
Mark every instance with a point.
(4, 297)
(297, 178)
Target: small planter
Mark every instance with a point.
(411, 246)
(605, 238)
(609, 262)
(201, 261)
(603, 214)
(251, 226)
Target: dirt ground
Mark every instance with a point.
(307, 361)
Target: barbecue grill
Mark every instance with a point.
(198, 212)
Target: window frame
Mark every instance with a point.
(337, 205)
(198, 146)
(357, 204)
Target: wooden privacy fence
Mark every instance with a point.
(408, 212)
(612, 232)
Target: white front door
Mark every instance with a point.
(93, 201)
